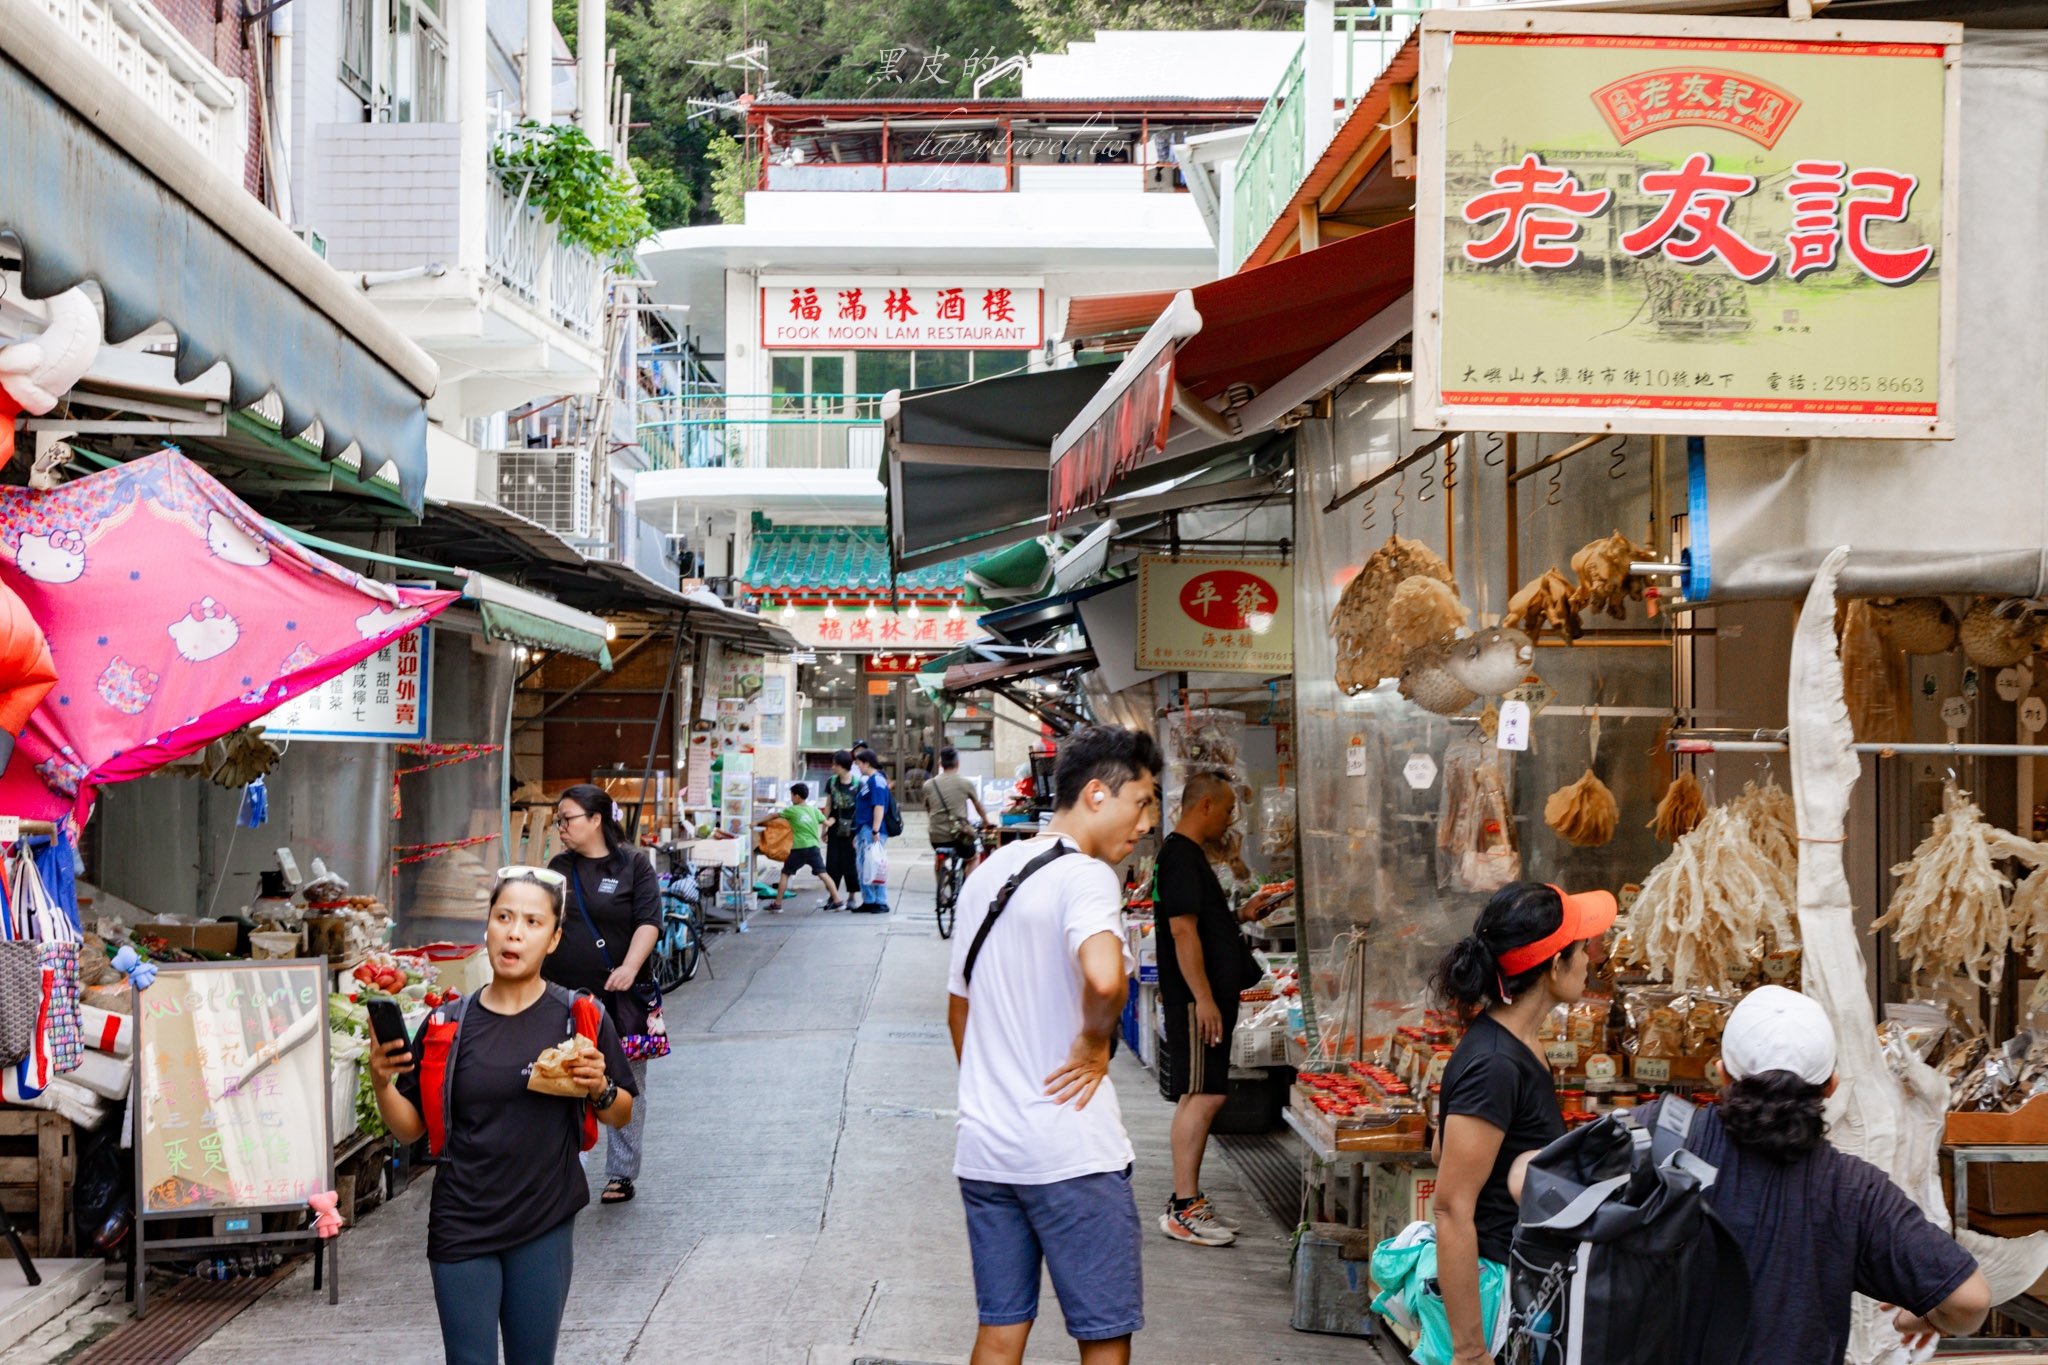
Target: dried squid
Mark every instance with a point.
(1605, 584)
(1683, 806)
(1583, 814)
(1545, 601)
(1949, 908)
(1708, 905)
(1367, 650)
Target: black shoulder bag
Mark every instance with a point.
(1002, 901)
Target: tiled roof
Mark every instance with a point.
(837, 559)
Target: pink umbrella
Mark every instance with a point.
(174, 615)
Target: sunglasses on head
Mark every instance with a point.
(521, 872)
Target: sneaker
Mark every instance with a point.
(1192, 1224)
(1221, 1220)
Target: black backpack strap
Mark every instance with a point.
(1727, 1327)
(1002, 901)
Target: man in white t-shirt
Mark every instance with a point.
(1038, 985)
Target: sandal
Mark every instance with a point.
(617, 1190)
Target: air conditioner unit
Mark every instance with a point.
(549, 486)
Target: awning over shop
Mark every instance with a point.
(1232, 357)
(965, 677)
(512, 613)
(966, 465)
(97, 186)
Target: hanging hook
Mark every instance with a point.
(1498, 448)
(1450, 468)
(1400, 497)
(1556, 493)
(1617, 468)
(1428, 482)
(1371, 515)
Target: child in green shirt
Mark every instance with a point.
(806, 832)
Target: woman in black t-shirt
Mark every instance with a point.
(610, 925)
(510, 1181)
(1527, 953)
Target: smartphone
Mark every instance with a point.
(387, 1021)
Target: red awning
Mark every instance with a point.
(1261, 325)
(1103, 315)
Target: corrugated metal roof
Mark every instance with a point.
(838, 559)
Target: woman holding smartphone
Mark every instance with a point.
(510, 1181)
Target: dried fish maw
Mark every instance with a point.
(1874, 682)
(1949, 909)
(1545, 601)
(1424, 609)
(1583, 814)
(1366, 648)
(1683, 806)
(1605, 584)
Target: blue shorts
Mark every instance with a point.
(1085, 1230)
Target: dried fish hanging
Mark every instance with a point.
(1605, 584)
(1949, 908)
(1874, 683)
(1727, 888)
(2028, 914)
(1366, 650)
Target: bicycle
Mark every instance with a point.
(679, 952)
(949, 870)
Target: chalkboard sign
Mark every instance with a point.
(231, 1088)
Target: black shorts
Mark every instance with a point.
(962, 846)
(1193, 1068)
(801, 858)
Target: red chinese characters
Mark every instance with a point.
(1537, 206)
(803, 304)
(996, 305)
(1693, 224)
(1816, 195)
(1886, 267)
(952, 305)
(851, 309)
(896, 307)
(1671, 96)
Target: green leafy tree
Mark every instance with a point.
(1055, 23)
(664, 194)
(733, 173)
(574, 185)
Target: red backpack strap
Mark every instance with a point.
(436, 1046)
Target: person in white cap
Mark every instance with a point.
(1816, 1224)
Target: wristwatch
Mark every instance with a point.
(603, 1099)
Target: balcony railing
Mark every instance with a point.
(138, 43)
(1275, 157)
(524, 253)
(762, 431)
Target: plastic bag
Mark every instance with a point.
(1475, 833)
(874, 865)
(1276, 822)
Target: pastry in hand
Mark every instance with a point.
(549, 1073)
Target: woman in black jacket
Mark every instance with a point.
(609, 929)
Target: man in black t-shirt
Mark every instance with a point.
(1201, 970)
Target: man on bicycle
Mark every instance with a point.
(947, 799)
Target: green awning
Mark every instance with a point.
(537, 632)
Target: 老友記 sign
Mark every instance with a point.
(1657, 224)
(884, 312)
(1215, 615)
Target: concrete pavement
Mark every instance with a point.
(797, 1206)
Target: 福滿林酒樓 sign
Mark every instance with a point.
(885, 312)
(1658, 224)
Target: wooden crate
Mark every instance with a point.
(38, 1161)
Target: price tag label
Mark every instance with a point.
(1437, 1065)
(1600, 1067)
(1354, 757)
(1626, 901)
(10, 828)
(1535, 694)
(1955, 712)
(2033, 715)
(1715, 1076)
(1420, 770)
(1514, 725)
(1652, 1069)
(1562, 1054)
(1778, 966)
(2012, 683)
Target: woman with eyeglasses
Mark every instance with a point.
(500, 1231)
(609, 929)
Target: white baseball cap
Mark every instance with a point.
(1774, 1029)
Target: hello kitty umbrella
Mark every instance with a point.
(174, 615)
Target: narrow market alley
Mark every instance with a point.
(797, 1206)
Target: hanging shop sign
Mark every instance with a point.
(886, 312)
(1655, 224)
(926, 630)
(1215, 615)
(381, 698)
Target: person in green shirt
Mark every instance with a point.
(806, 833)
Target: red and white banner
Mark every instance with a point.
(882, 312)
